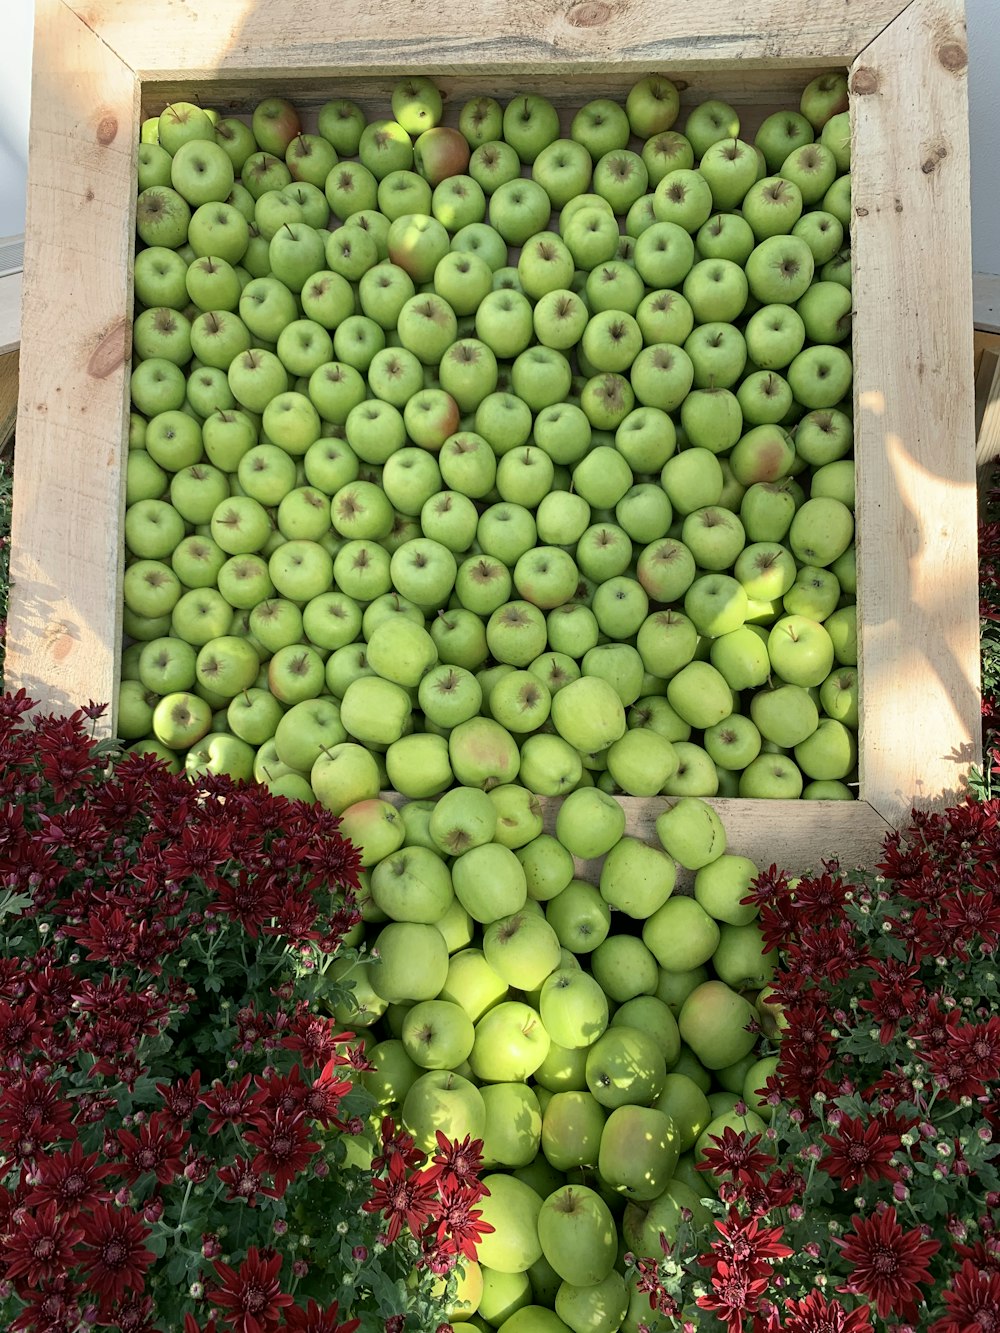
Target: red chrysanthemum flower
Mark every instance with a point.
(967, 915)
(314, 1319)
(461, 1159)
(746, 1241)
(133, 1314)
(40, 1249)
(979, 1043)
(403, 1198)
(107, 936)
(34, 1102)
(70, 1181)
(180, 1099)
(958, 1071)
(860, 1152)
(890, 1002)
(973, 1301)
(887, 1263)
(50, 1309)
(115, 1258)
(227, 1106)
(984, 1254)
(156, 1149)
(395, 1140)
(21, 1031)
(735, 1293)
(820, 898)
(735, 1154)
(284, 1148)
(251, 1296)
(314, 1037)
(457, 1227)
(816, 1314)
(244, 1182)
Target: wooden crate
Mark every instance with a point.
(103, 64)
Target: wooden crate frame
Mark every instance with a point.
(100, 65)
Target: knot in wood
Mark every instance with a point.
(588, 14)
(864, 81)
(107, 129)
(953, 56)
(936, 155)
(112, 351)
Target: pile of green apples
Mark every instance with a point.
(593, 1035)
(513, 452)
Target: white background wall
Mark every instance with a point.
(984, 94)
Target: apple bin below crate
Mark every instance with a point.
(102, 67)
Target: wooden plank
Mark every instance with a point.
(918, 594)
(797, 835)
(10, 312)
(982, 341)
(755, 90)
(986, 301)
(209, 39)
(8, 396)
(64, 630)
(988, 423)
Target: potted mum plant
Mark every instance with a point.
(186, 1142)
(871, 1201)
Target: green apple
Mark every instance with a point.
(589, 822)
(635, 878)
(437, 1034)
(624, 967)
(683, 197)
(573, 1008)
(442, 1100)
(522, 948)
(588, 714)
(801, 650)
(692, 833)
(580, 917)
(785, 715)
(838, 695)
(511, 1208)
(680, 934)
(639, 1150)
(483, 754)
(572, 1125)
(772, 777)
(820, 376)
(641, 762)
(489, 882)
(510, 1043)
(713, 1021)
(625, 1067)
(375, 828)
(513, 1124)
(741, 960)
(577, 1235)
(412, 962)
(830, 753)
(472, 983)
(412, 884)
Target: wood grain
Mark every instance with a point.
(64, 631)
(10, 312)
(918, 596)
(215, 39)
(8, 397)
(988, 409)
